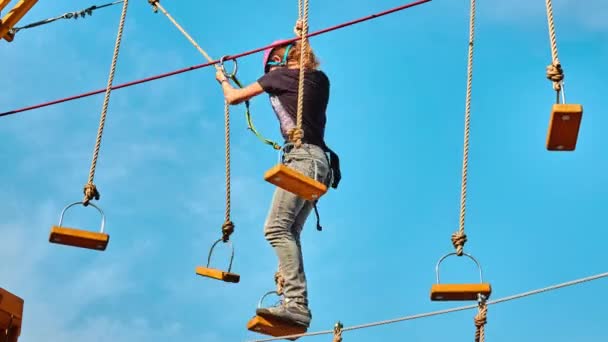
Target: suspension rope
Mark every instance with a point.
(297, 134)
(446, 311)
(204, 65)
(481, 319)
(338, 332)
(555, 72)
(69, 15)
(228, 226)
(459, 238)
(90, 190)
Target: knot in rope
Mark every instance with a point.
(481, 320)
(278, 279)
(338, 332)
(458, 240)
(556, 75)
(296, 135)
(154, 4)
(227, 230)
(90, 192)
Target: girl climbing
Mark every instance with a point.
(288, 212)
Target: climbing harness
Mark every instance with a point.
(77, 237)
(565, 119)
(462, 292)
(69, 15)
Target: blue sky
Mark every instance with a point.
(534, 218)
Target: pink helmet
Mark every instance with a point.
(268, 51)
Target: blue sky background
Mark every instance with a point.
(534, 218)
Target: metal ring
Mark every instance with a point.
(103, 216)
(453, 253)
(266, 295)
(231, 253)
(223, 68)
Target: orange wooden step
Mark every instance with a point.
(11, 316)
(218, 274)
(274, 328)
(295, 182)
(453, 292)
(564, 125)
(79, 238)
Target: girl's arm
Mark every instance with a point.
(238, 95)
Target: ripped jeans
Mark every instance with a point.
(286, 219)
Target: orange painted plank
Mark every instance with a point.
(295, 182)
(218, 274)
(274, 328)
(564, 126)
(449, 292)
(79, 238)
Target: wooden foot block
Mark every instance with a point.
(79, 238)
(564, 125)
(295, 182)
(274, 328)
(218, 274)
(456, 292)
(11, 316)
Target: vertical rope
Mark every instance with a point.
(338, 332)
(280, 282)
(90, 190)
(298, 134)
(460, 238)
(481, 320)
(554, 70)
(228, 226)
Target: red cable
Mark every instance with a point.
(152, 78)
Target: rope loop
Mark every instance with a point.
(296, 135)
(280, 282)
(555, 74)
(338, 332)
(90, 192)
(481, 319)
(227, 230)
(458, 240)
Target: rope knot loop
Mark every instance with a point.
(227, 230)
(90, 192)
(481, 320)
(458, 240)
(296, 135)
(555, 74)
(338, 332)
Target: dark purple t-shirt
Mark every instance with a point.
(282, 86)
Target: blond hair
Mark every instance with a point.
(311, 63)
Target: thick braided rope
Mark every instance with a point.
(156, 4)
(554, 70)
(90, 191)
(298, 133)
(459, 238)
(228, 226)
(280, 282)
(480, 321)
(338, 332)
